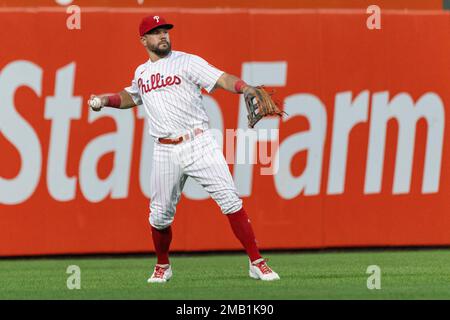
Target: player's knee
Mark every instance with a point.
(160, 222)
(231, 207)
(160, 218)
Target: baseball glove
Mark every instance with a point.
(260, 104)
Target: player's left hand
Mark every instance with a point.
(249, 90)
(260, 104)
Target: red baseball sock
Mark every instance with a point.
(161, 241)
(244, 232)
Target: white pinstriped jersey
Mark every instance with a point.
(170, 90)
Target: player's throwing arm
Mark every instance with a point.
(121, 100)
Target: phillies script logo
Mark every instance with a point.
(157, 81)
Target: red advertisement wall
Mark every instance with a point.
(287, 4)
(364, 154)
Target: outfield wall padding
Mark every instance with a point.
(364, 154)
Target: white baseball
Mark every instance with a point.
(95, 102)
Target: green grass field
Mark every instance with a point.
(419, 274)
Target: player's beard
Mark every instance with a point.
(161, 52)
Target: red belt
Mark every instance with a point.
(180, 139)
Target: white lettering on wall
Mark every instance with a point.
(19, 132)
(61, 109)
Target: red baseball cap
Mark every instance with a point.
(151, 22)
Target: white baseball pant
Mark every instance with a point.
(200, 158)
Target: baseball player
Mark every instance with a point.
(169, 87)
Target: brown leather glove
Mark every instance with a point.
(260, 104)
